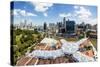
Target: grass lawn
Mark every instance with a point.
(71, 39)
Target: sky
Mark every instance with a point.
(40, 12)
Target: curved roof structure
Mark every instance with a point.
(42, 56)
(81, 57)
(49, 41)
(47, 54)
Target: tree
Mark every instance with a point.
(35, 31)
(18, 31)
(22, 39)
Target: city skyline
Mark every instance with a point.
(38, 13)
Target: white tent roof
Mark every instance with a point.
(81, 57)
(71, 47)
(67, 48)
(47, 54)
(49, 41)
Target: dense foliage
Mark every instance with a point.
(22, 39)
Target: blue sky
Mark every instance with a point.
(38, 13)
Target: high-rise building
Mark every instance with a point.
(95, 27)
(70, 27)
(45, 26)
(60, 26)
(52, 27)
(66, 27)
(64, 21)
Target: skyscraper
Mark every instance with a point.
(64, 21)
(45, 26)
(70, 27)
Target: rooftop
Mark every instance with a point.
(67, 52)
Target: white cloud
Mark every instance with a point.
(65, 15)
(31, 14)
(80, 14)
(92, 21)
(21, 12)
(83, 13)
(45, 14)
(76, 7)
(42, 7)
(15, 12)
